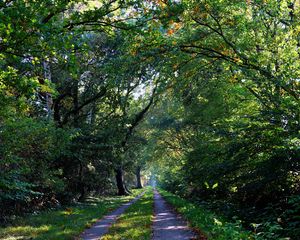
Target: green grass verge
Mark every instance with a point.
(63, 224)
(214, 227)
(135, 223)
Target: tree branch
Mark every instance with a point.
(138, 118)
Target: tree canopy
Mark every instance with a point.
(201, 95)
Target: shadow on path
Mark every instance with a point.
(167, 224)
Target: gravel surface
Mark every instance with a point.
(167, 224)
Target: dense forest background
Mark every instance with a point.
(202, 94)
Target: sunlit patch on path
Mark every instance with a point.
(167, 224)
(101, 227)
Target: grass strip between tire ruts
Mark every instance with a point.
(135, 223)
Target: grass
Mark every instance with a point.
(136, 222)
(214, 227)
(65, 223)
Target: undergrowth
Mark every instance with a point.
(213, 226)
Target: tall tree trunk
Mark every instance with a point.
(138, 177)
(56, 114)
(91, 117)
(120, 182)
(81, 185)
(75, 104)
(48, 97)
(82, 192)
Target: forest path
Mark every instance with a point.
(167, 224)
(101, 227)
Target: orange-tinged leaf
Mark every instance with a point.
(170, 31)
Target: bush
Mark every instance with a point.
(29, 150)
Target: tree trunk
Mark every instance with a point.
(48, 97)
(81, 185)
(138, 177)
(120, 182)
(76, 104)
(56, 112)
(82, 192)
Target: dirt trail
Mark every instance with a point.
(167, 224)
(101, 227)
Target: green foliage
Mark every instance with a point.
(66, 114)
(290, 217)
(227, 128)
(222, 75)
(29, 152)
